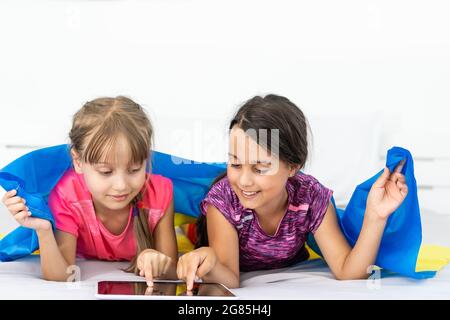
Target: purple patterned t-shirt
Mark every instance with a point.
(307, 204)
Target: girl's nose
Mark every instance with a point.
(245, 179)
(119, 183)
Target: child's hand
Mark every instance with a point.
(195, 264)
(387, 193)
(16, 206)
(152, 264)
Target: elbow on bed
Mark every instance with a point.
(57, 278)
(234, 284)
(49, 278)
(343, 276)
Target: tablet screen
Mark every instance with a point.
(162, 288)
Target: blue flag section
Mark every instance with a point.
(402, 236)
(33, 176)
(36, 173)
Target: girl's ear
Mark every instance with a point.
(76, 161)
(293, 170)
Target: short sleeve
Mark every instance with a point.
(158, 193)
(220, 196)
(65, 218)
(167, 186)
(157, 198)
(320, 197)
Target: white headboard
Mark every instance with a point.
(431, 166)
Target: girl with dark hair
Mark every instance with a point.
(259, 214)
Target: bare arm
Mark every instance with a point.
(385, 196)
(57, 252)
(223, 239)
(217, 263)
(166, 241)
(345, 262)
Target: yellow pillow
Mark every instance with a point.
(181, 219)
(183, 242)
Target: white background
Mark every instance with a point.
(367, 74)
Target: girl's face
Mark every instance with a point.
(256, 176)
(114, 182)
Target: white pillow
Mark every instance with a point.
(344, 151)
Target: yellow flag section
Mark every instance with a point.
(432, 257)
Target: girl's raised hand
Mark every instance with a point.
(387, 193)
(16, 206)
(152, 264)
(195, 264)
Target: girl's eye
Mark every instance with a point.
(105, 173)
(135, 170)
(234, 165)
(261, 171)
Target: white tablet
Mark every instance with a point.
(161, 290)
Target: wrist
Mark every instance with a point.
(147, 251)
(207, 251)
(44, 232)
(374, 218)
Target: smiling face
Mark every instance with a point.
(256, 176)
(115, 180)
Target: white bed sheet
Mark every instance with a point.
(309, 280)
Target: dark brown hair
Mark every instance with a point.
(268, 113)
(95, 129)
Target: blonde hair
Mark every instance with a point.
(95, 129)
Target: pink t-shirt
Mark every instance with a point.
(71, 204)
